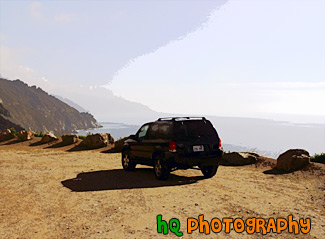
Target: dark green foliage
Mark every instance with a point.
(40, 134)
(318, 158)
(14, 132)
(82, 137)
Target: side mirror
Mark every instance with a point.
(132, 136)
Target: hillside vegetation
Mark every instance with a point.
(33, 109)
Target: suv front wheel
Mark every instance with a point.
(209, 171)
(160, 168)
(127, 162)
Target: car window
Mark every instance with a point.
(165, 131)
(143, 131)
(195, 128)
(153, 131)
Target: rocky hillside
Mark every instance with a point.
(32, 108)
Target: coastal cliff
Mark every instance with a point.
(32, 108)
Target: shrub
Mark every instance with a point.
(14, 132)
(40, 134)
(318, 158)
(82, 137)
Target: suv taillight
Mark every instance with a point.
(172, 146)
(219, 143)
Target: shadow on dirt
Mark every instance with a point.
(119, 179)
(274, 171)
(312, 169)
(79, 147)
(16, 141)
(112, 150)
(59, 145)
(37, 143)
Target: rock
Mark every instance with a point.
(25, 135)
(292, 160)
(238, 159)
(254, 154)
(118, 145)
(97, 140)
(6, 134)
(49, 138)
(69, 139)
(110, 139)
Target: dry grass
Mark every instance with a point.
(52, 193)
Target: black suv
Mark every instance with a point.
(174, 143)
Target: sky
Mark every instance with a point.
(230, 58)
(251, 57)
(86, 42)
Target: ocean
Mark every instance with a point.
(117, 130)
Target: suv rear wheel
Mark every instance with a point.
(127, 162)
(209, 171)
(160, 168)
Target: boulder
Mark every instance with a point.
(238, 159)
(25, 135)
(119, 144)
(49, 138)
(254, 154)
(97, 140)
(111, 140)
(292, 160)
(69, 138)
(6, 134)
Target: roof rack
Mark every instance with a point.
(180, 118)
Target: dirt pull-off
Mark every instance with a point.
(53, 193)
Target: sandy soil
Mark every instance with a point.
(49, 192)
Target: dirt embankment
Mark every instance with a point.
(52, 193)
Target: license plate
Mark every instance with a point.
(198, 148)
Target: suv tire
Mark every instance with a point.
(160, 168)
(209, 171)
(127, 162)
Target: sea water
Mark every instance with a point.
(117, 130)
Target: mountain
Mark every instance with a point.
(105, 105)
(31, 108)
(7, 124)
(71, 103)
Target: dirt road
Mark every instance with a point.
(52, 193)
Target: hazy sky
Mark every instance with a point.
(235, 58)
(86, 42)
(250, 57)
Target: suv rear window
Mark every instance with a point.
(194, 128)
(160, 130)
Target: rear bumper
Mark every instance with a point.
(194, 160)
